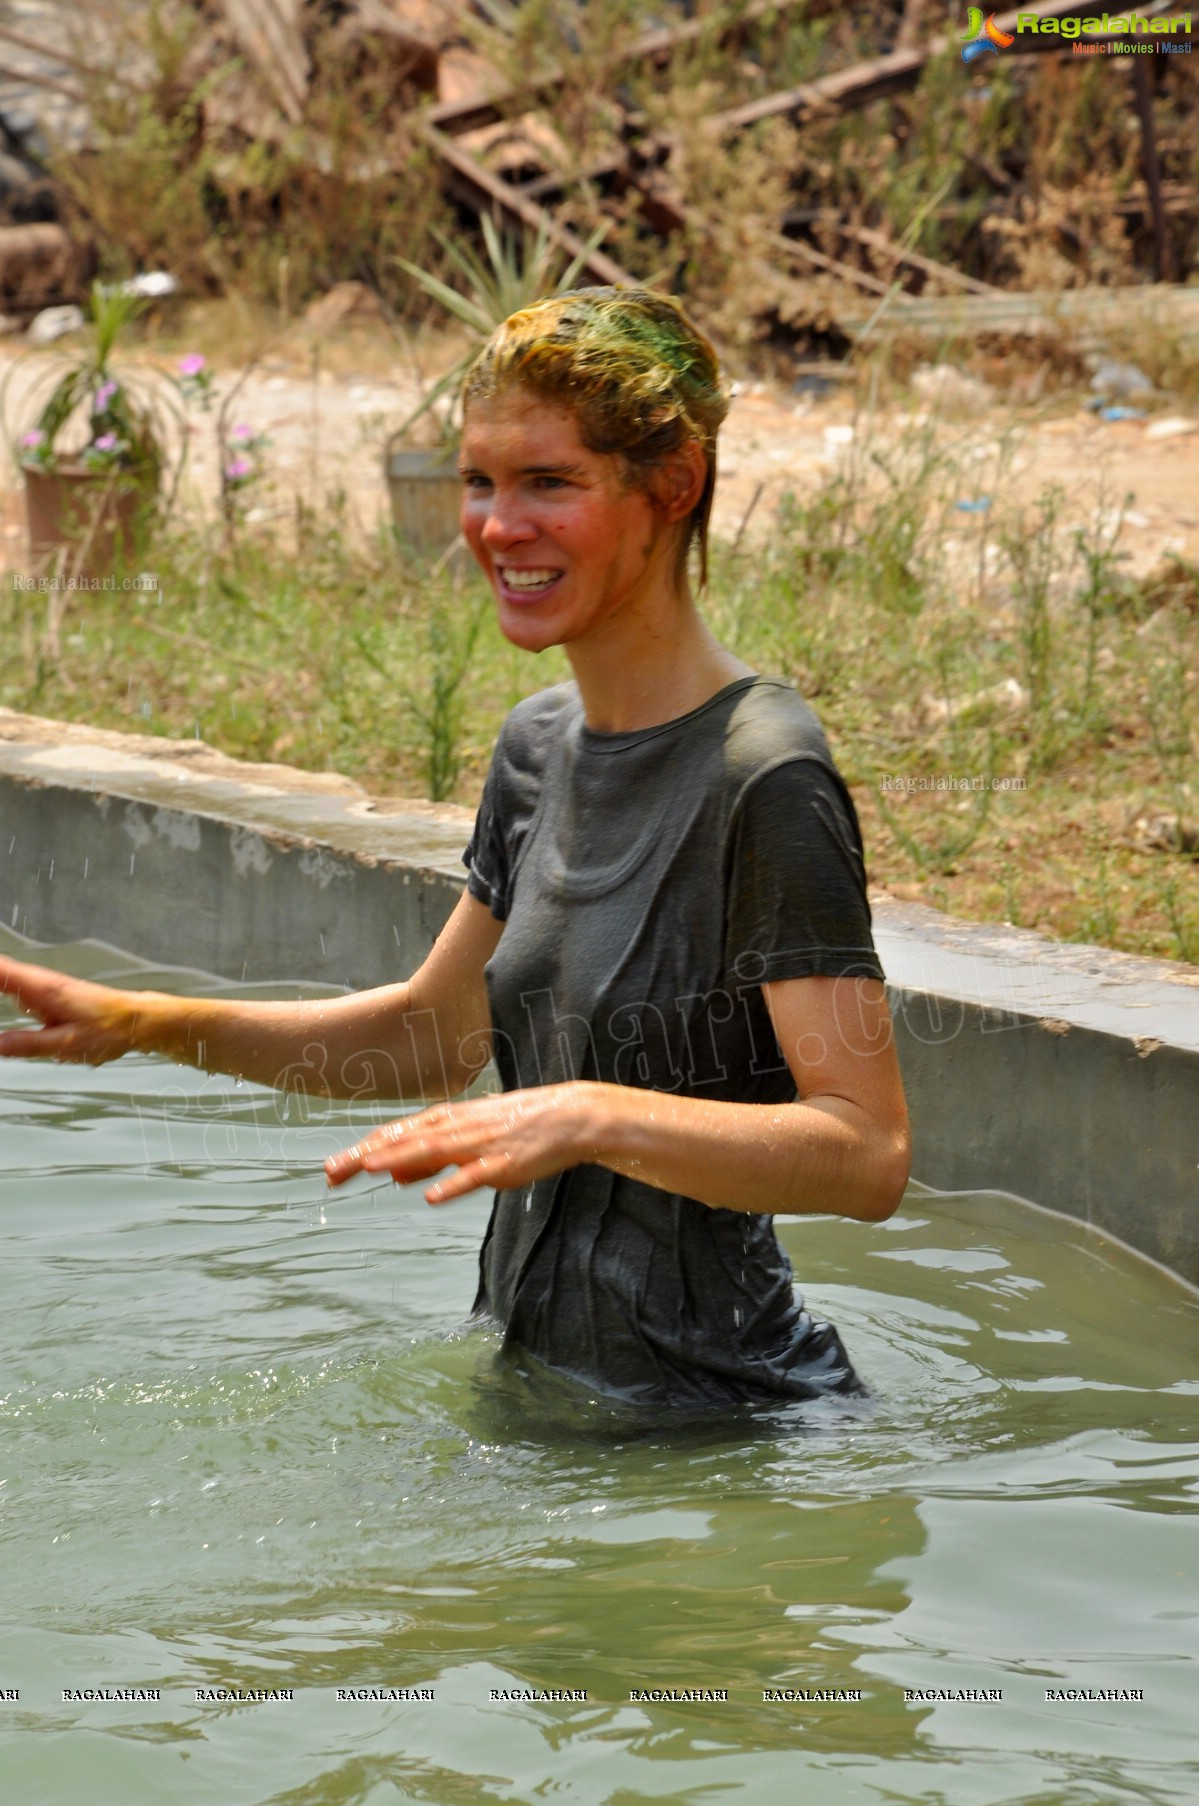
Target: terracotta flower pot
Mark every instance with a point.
(93, 514)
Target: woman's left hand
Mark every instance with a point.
(504, 1141)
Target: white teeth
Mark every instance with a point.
(527, 579)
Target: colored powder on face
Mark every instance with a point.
(641, 379)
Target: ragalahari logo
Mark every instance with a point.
(984, 35)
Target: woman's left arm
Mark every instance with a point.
(842, 1147)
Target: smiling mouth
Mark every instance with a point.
(527, 583)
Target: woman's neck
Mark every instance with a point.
(637, 672)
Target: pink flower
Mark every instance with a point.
(32, 439)
(106, 442)
(237, 468)
(192, 364)
(104, 395)
(242, 432)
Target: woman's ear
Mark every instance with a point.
(678, 481)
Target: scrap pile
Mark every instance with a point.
(557, 145)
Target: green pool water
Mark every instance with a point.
(247, 1444)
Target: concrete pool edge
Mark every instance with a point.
(1063, 1074)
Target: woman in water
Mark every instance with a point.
(664, 941)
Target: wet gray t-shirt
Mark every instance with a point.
(649, 884)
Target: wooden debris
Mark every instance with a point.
(662, 206)
(489, 193)
(373, 40)
(292, 51)
(1093, 314)
(34, 78)
(909, 30)
(268, 33)
(657, 46)
(56, 54)
(238, 104)
(467, 82)
(794, 247)
(900, 70)
(928, 266)
(27, 195)
(38, 264)
(853, 87)
(513, 146)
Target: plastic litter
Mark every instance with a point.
(811, 384)
(976, 505)
(950, 390)
(54, 323)
(1171, 426)
(1111, 377)
(151, 285)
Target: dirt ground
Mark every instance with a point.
(327, 419)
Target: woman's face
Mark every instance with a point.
(566, 542)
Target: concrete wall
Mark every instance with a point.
(181, 886)
(1063, 1074)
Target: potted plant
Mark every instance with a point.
(423, 478)
(94, 451)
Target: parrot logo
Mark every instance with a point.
(983, 35)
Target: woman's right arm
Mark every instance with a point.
(422, 1039)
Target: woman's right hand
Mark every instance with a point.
(80, 1020)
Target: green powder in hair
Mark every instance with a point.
(640, 377)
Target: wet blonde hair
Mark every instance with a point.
(640, 378)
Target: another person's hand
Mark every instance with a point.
(504, 1141)
(80, 1020)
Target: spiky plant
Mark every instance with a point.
(520, 273)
